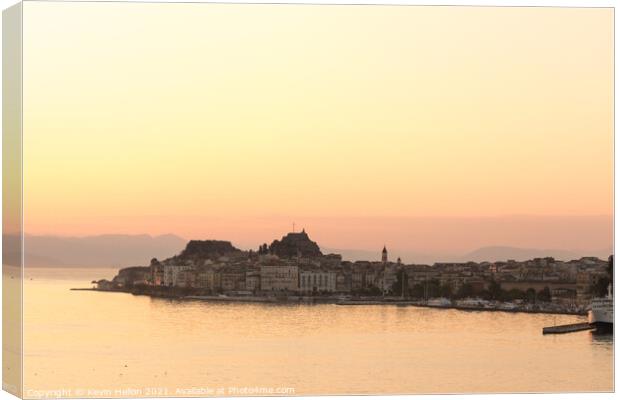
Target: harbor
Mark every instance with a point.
(340, 301)
(257, 337)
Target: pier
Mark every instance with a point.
(582, 326)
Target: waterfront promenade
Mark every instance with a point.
(348, 301)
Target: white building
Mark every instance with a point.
(317, 281)
(208, 278)
(279, 278)
(389, 278)
(252, 280)
(171, 274)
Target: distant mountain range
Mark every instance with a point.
(503, 253)
(95, 251)
(127, 250)
(489, 253)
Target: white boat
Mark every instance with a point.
(508, 306)
(471, 303)
(439, 302)
(601, 312)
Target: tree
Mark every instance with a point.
(373, 291)
(530, 295)
(495, 291)
(417, 291)
(263, 249)
(545, 295)
(485, 294)
(466, 290)
(445, 291)
(399, 287)
(599, 289)
(432, 288)
(516, 294)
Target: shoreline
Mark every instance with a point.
(325, 300)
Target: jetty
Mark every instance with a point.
(582, 326)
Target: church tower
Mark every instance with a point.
(384, 255)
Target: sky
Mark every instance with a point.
(358, 122)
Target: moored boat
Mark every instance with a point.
(601, 313)
(439, 302)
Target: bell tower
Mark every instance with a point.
(384, 255)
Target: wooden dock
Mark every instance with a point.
(582, 326)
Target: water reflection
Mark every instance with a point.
(602, 338)
(128, 341)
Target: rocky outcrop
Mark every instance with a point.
(295, 244)
(132, 275)
(197, 251)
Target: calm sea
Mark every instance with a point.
(93, 344)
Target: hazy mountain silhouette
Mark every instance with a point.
(368, 255)
(123, 250)
(97, 251)
(503, 253)
(488, 253)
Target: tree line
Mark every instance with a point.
(494, 291)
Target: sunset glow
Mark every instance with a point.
(202, 120)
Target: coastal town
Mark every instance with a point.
(293, 269)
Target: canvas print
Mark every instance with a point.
(213, 200)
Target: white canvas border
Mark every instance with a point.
(506, 3)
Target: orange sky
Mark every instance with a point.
(189, 118)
